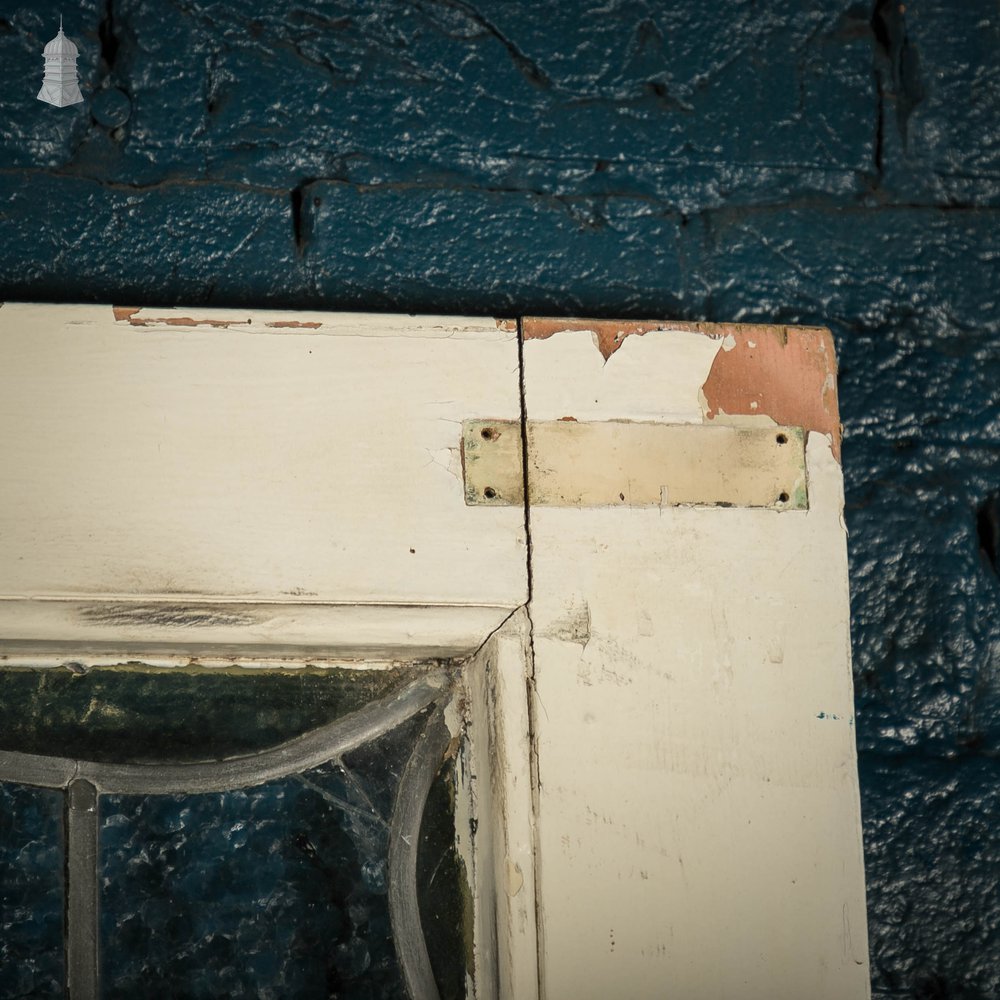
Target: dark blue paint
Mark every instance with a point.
(933, 848)
(31, 892)
(833, 162)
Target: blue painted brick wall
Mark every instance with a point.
(819, 162)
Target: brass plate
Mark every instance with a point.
(626, 464)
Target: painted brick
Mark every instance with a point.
(939, 84)
(174, 241)
(932, 848)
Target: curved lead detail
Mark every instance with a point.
(404, 842)
(299, 754)
(82, 892)
(91, 778)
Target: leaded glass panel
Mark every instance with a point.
(230, 833)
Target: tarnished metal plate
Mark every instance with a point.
(626, 464)
(491, 462)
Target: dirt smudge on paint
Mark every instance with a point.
(573, 626)
(130, 615)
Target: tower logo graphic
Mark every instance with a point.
(61, 85)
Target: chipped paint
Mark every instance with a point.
(332, 324)
(608, 334)
(131, 315)
(786, 373)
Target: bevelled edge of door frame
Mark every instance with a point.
(135, 628)
(497, 814)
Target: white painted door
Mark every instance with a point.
(661, 767)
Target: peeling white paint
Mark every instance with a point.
(686, 728)
(281, 322)
(584, 387)
(735, 419)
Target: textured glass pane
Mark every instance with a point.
(443, 890)
(141, 713)
(277, 891)
(32, 867)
